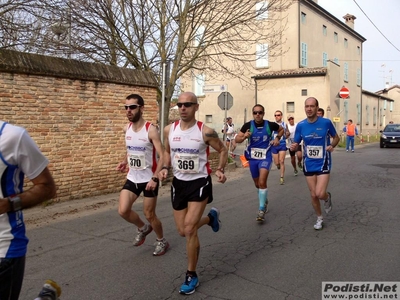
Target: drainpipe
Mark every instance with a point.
(255, 92)
(298, 35)
(379, 114)
(361, 102)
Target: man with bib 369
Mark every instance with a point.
(187, 145)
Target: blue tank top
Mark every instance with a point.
(259, 142)
(282, 141)
(13, 241)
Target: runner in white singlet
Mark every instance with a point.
(186, 149)
(142, 144)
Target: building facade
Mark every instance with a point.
(321, 55)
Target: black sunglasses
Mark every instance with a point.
(132, 106)
(258, 112)
(185, 104)
(291, 119)
(278, 115)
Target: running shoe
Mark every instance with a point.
(319, 224)
(296, 172)
(281, 181)
(260, 216)
(300, 166)
(50, 291)
(190, 285)
(141, 235)
(216, 223)
(328, 203)
(161, 247)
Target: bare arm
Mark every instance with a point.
(277, 140)
(154, 137)
(156, 140)
(287, 132)
(43, 189)
(163, 173)
(124, 163)
(211, 138)
(335, 141)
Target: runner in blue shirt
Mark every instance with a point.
(258, 152)
(313, 131)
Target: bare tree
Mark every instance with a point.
(194, 36)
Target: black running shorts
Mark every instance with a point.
(137, 188)
(195, 190)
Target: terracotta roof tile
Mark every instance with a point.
(293, 73)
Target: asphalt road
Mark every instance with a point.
(284, 258)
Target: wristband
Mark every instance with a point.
(165, 168)
(155, 179)
(221, 170)
(15, 203)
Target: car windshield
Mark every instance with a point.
(392, 128)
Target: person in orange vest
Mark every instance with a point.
(351, 131)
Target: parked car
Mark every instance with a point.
(390, 135)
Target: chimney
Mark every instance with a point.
(349, 20)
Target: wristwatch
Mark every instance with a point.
(221, 170)
(15, 203)
(155, 179)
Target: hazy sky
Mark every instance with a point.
(377, 50)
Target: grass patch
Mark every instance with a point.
(372, 139)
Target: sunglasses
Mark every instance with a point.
(132, 106)
(185, 104)
(278, 115)
(291, 119)
(258, 112)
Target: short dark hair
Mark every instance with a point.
(259, 105)
(137, 97)
(321, 110)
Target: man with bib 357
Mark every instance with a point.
(317, 161)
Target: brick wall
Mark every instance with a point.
(74, 111)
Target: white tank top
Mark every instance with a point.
(141, 154)
(292, 130)
(189, 152)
